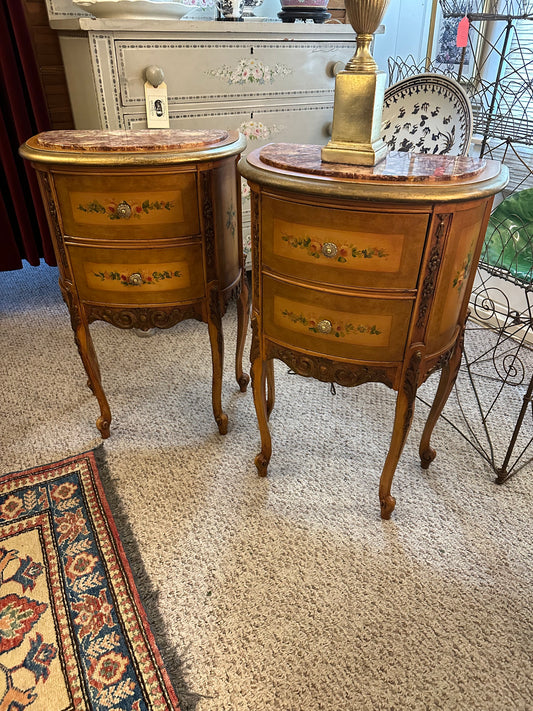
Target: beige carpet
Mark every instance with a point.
(288, 593)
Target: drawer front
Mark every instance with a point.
(334, 246)
(138, 276)
(232, 70)
(281, 123)
(125, 205)
(333, 324)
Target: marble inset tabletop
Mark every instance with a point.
(131, 141)
(396, 166)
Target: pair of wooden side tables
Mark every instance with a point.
(358, 274)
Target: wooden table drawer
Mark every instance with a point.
(128, 206)
(334, 246)
(366, 328)
(138, 276)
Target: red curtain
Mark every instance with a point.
(24, 233)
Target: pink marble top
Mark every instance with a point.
(396, 166)
(127, 140)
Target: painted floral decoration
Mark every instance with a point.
(339, 330)
(123, 279)
(250, 71)
(137, 209)
(254, 130)
(344, 252)
(462, 272)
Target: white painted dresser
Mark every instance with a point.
(273, 81)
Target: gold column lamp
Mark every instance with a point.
(359, 93)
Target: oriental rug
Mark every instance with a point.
(73, 632)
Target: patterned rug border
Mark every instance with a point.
(126, 549)
(174, 666)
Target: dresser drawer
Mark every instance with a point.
(138, 276)
(230, 70)
(331, 323)
(334, 246)
(140, 205)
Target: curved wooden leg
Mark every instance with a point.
(271, 387)
(243, 310)
(448, 377)
(259, 372)
(85, 345)
(214, 325)
(405, 404)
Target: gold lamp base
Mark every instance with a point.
(357, 116)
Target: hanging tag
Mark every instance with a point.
(156, 105)
(462, 32)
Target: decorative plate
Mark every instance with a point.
(427, 113)
(509, 238)
(133, 9)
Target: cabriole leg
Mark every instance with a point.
(87, 353)
(243, 310)
(448, 377)
(259, 373)
(214, 325)
(405, 404)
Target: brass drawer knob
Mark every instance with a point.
(329, 249)
(135, 279)
(123, 210)
(324, 326)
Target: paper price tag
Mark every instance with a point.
(462, 32)
(156, 105)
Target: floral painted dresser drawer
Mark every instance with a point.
(138, 276)
(354, 248)
(146, 227)
(134, 205)
(363, 274)
(335, 323)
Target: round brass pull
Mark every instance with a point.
(123, 210)
(329, 249)
(324, 326)
(135, 279)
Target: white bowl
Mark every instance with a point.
(134, 9)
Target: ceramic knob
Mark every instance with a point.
(324, 326)
(135, 279)
(123, 210)
(329, 249)
(154, 75)
(333, 68)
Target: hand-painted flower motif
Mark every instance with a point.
(255, 130)
(249, 71)
(339, 330)
(231, 220)
(462, 272)
(344, 252)
(137, 210)
(145, 278)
